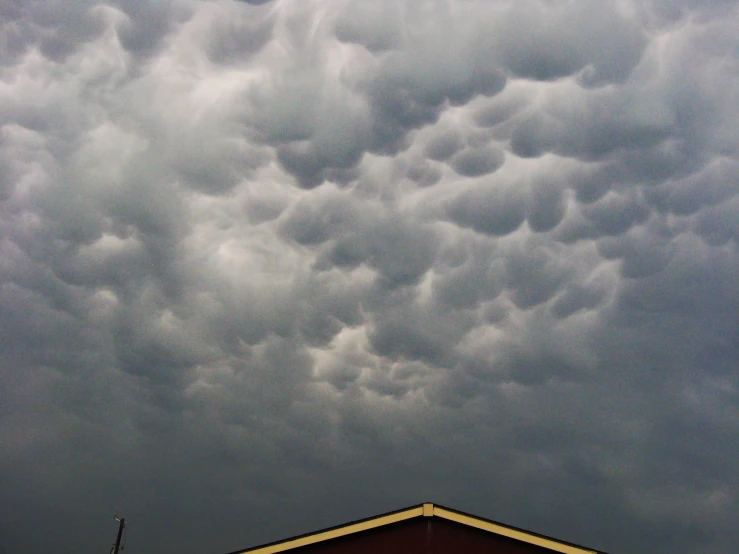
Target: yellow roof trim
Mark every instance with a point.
(425, 510)
(339, 531)
(509, 532)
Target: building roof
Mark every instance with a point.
(426, 510)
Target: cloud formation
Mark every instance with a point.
(264, 255)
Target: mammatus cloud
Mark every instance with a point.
(258, 256)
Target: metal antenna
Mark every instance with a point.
(122, 525)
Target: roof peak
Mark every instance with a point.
(425, 509)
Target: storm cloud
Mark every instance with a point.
(269, 266)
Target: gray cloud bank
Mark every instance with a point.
(271, 266)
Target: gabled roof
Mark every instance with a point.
(420, 511)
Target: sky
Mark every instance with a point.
(271, 266)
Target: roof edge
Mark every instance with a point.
(511, 532)
(426, 509)
(336, 531)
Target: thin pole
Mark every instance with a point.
(121, 527)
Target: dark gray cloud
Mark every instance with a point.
(473, 162)
(257, 256)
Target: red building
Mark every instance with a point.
(424, 529)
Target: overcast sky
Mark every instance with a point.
(271, 266)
